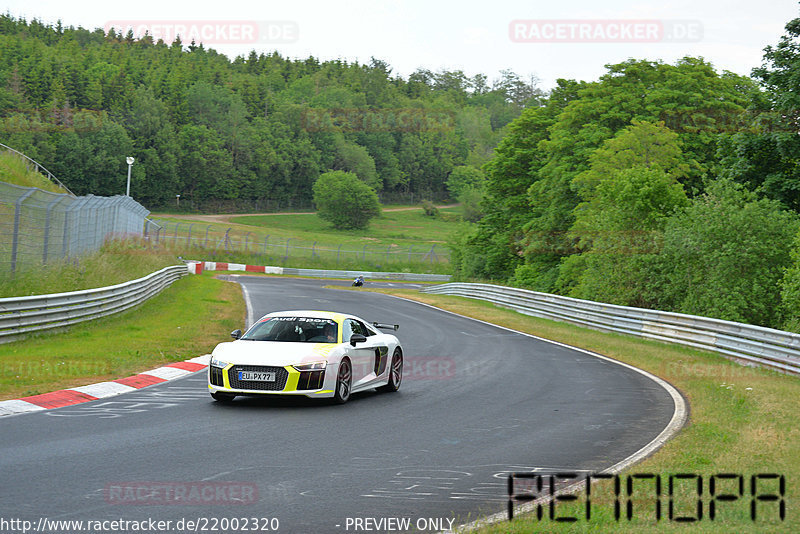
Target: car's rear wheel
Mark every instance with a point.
(223, 397)
(343, 382)
(395, 372)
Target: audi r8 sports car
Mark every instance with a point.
(313, 353)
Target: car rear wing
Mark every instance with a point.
(386, 326)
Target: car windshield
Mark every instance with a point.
(294, 329)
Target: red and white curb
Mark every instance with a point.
(101, 390)
(197, 267)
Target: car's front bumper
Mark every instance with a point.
(289, 381)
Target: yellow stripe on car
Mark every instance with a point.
(225, 382)
(291, 381)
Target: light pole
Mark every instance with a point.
(178, 200)
(130, 164)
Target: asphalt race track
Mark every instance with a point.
(476, 402)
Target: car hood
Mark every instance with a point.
(277, 353)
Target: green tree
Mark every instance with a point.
(790, 290)
(155, 179)
(726, 254)
(619, 230)
(345, 201)
(463, 178)
(205, 167)
(91, 160)
(466, 184)
(642, 144)
(351, 157)
(764, 153)
(495, 249)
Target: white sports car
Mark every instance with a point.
(312, 353)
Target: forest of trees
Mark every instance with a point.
(246, 133)
(668, 186)
(672, 187)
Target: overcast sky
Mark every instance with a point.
(557, 39)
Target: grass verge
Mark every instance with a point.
(398, 240)
(743, 421)
(185, 320)
(410, 226)
(116, 262)
(14, 170)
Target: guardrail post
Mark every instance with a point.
(337, 253)
(205, 244)
(265, 244)
(15, 238)
(247, 241)
(175, 239)
(227, 239)
(189, 239)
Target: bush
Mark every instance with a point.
(470, 200)
(429, 208)
(345, 201)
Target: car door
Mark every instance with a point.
(362, 355)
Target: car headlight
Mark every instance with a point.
(218, 363)
(316, 366)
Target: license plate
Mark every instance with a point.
(253, 376)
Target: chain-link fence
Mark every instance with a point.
(214, 238)
(37, 227)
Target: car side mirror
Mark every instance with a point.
(357, 338)
(236, 334)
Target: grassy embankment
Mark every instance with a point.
(14, 170)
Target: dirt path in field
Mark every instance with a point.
(226, 217)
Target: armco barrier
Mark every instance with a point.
(755, 344)
(23, 315)
(316, 273)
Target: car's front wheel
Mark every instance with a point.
(223, 397)
(395, 372)
(343, 382)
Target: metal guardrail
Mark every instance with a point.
(20, 316)
(754, 344)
